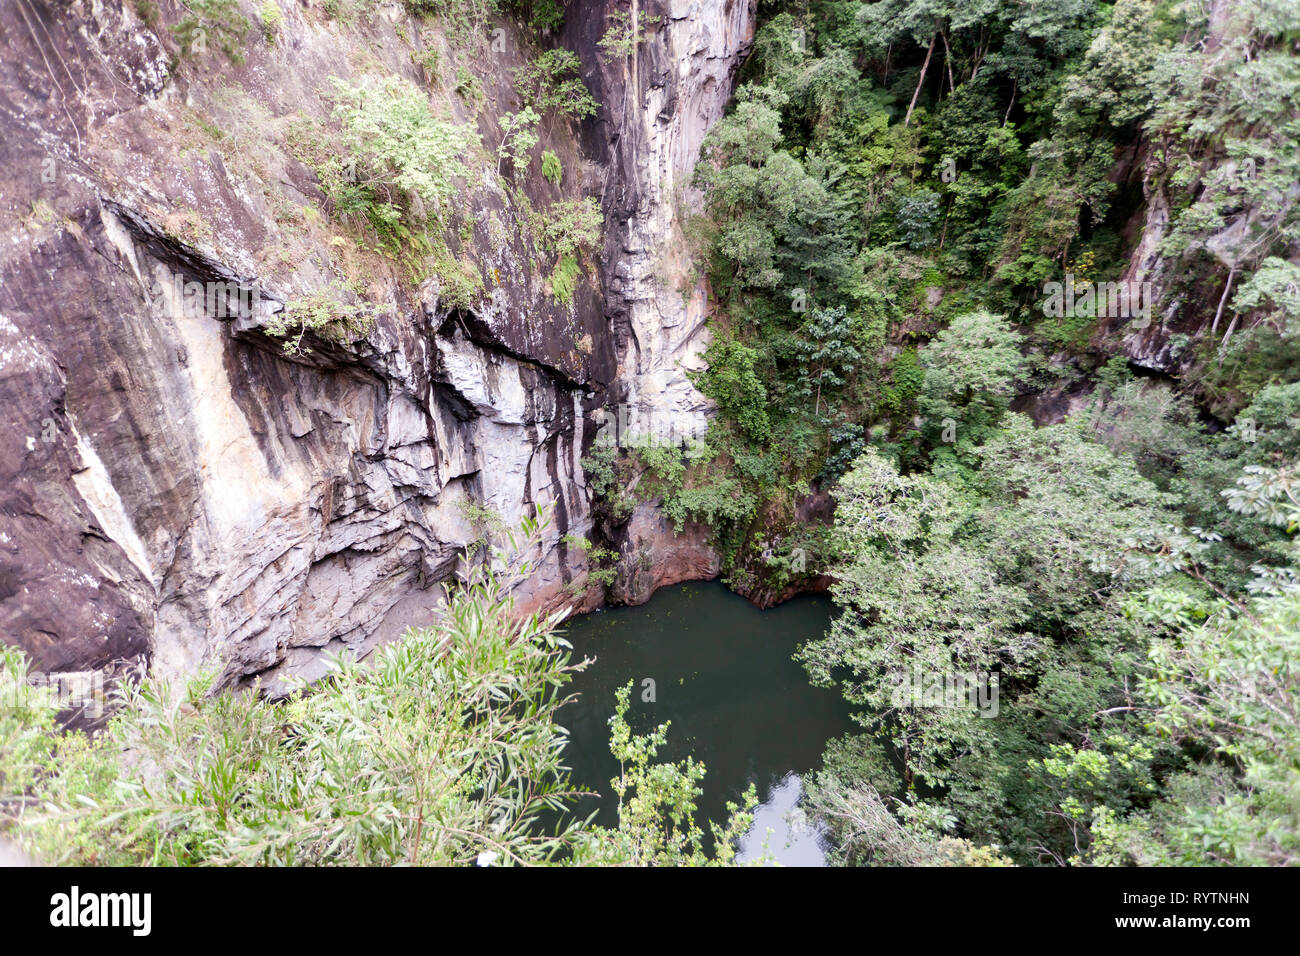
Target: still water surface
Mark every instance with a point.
(723, 675)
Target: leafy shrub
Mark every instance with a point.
(518, 137)
(551, 83)
(551, 168)
(546, 15)
(656, 806)
(620, 38)
(571, 226)
(463, 17)
(208, 21)
(470, 87)
(602, 564)
(396, 145)
(323, 313)
(564, 280)
(732, 382)
(916, 217)
(567, 230)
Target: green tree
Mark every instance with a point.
(657, 823)
(731, 381)
(970, 370)
(827, 355)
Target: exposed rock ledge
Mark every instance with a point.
(176, 489)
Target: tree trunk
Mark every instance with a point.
(1218, 313)
(921, 82)
(947, 62)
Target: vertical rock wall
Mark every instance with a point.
(659, 103)
(175, 488)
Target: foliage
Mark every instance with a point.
(691, 489)
(551, 83)
(868, 829)
(890, 190)
(442, 747)
(546, 15)
(826, 353)
(390, 171)
(464, 17)
(916, 218)
(731, 382)
(1232, 683)
(568, 229)
(991, 573)
(603, 562)
(564, 280)
(1229, 116)
(623, 35)
(552, 171)
(394, 143)
(518, 138)
(570, 226)
(323, 313)
(656, 806)
(470, 87)
(216, 21)
(970, 369)
(607, 478)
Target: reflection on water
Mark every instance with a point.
(722, 674)
(782, 833)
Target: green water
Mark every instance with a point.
(723, 675)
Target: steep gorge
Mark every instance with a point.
(176, 488)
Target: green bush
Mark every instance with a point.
(518, 137)
(322, 313)
(732, 382)
(552, 83)
(213, 21)
(570, 226)
(393, 144)
(551, 168)
(564, 280)
(546, 14)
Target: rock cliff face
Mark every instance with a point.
(1187, 309)
(659, 103)
(175, 487)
